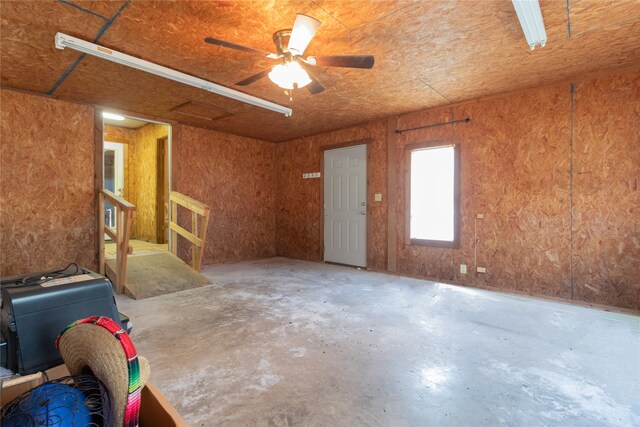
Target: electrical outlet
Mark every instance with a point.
(377, 197)
(463, 268)
(481, 270)
(480, 216)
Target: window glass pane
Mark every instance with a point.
(432, 194)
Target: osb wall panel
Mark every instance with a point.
(300, 214)
(516, 157)
(516, 172)
(606, 195)
(414, 259)
(236, 177)
(47, 204)
(118, 134)
(143, 153)
(140, 174)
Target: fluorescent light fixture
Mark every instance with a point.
(112, 116)
(64, 40)
(289, 76)
(530, 18)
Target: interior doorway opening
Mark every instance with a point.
(137, 168)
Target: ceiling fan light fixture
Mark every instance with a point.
(288, 75)
(303, 31)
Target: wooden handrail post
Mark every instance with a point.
(198, 231)
(101, 259)
(124, 214)
(196, 249)
(174, 235)
(203, 236)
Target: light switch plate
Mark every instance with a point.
(463, 268)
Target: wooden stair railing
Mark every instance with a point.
(125, 212)
(198, 231)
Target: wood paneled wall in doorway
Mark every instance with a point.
(141, 174)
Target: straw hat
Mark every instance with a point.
(99, 346)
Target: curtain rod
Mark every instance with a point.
(467, 120)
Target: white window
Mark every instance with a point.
(433, 195)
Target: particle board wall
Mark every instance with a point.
(118, 134)
(300, 214)
(47, 199)
(47, 203)
(517, 155)
(140, 174)
(606, 202)
(236, 177)
(516, 172)
(143, 152)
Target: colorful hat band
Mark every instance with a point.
(132, 408)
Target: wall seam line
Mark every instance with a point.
(569, 19)
(573, 89)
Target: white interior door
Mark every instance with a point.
(113, 177)
(345, 205)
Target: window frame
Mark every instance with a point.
(409, 148)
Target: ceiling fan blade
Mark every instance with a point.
(223, 43)
(346, 61)
(254, 78)
(315, 86)
(303, 31)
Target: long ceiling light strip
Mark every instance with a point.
(64, 40)
(530, 18)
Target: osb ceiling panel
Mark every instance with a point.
(105, 9)
(590, 15)
(27, 29)
(428, 53)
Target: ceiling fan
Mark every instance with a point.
(294, 70)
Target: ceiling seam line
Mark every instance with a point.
(331, 15)
(68, 3)
(115, 16)
(73, 66)
(66, 74)
(433, 89)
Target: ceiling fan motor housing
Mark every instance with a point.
(281, 40)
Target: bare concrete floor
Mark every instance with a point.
(280, 342)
